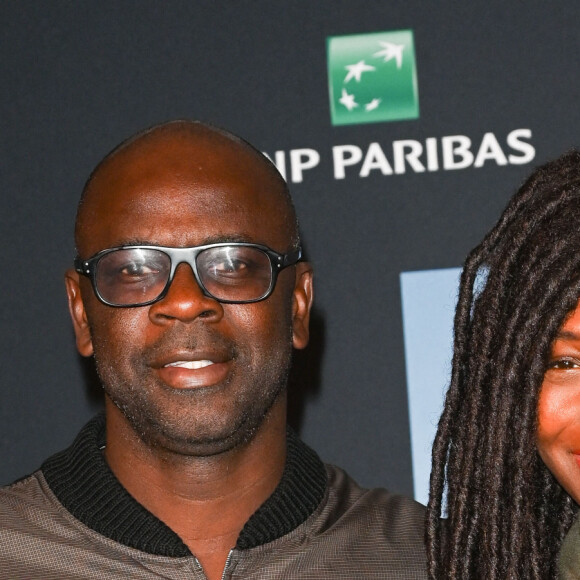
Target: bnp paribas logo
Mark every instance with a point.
(372, 77)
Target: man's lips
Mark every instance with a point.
(189, 371)
(190, 364)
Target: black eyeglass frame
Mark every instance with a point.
(179, 256)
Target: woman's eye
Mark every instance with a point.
(564, 364)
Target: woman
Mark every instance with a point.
(504, 468)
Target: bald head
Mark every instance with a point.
(186, 155)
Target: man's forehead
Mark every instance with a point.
(176, 189)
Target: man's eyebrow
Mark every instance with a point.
(216, 239)
(234, 238)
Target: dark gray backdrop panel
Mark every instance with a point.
(77, 77)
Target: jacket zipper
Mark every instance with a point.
(228, 560)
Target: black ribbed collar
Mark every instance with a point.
(82, 481)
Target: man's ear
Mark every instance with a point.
(78, 313)
(301, 304)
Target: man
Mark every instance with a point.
(190, 294)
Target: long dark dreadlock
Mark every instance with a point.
(506, 513)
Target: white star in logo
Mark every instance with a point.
(355, 70)
(372, 105)
(391, 51)
(347, 100)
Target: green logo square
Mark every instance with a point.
(372, 77)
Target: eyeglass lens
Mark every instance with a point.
(132, 276)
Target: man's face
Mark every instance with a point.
(190, 374)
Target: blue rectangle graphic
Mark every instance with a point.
(428, 299)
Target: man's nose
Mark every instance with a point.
(185, 300)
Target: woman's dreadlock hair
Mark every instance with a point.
(506, 513)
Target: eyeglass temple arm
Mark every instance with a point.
(81, 266)
(290, 258)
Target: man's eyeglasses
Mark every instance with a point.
(234, 273)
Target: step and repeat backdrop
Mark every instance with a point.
(402, 129)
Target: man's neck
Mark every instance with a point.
(205, 500)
